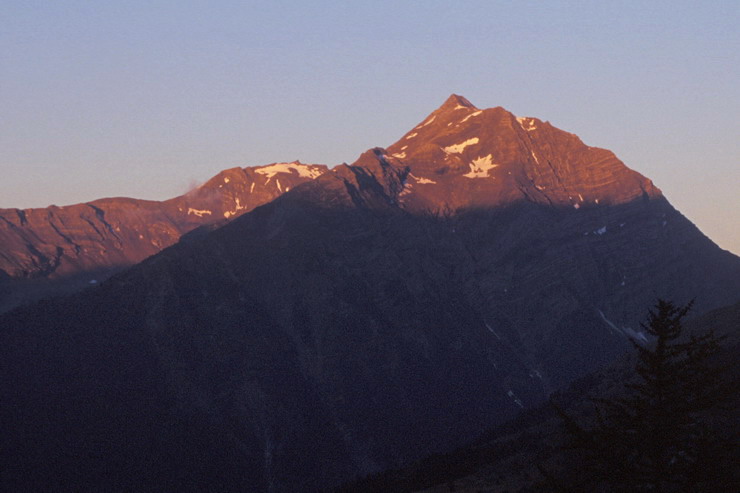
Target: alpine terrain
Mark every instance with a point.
(383, 311)
(62, 249)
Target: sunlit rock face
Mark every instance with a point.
(461, 157)
(58, 249)
(375, 314)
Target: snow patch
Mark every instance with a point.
(399, 155)
(427, 122)
(460, 107)
(406, 189)
(226, 179)
(197, 212)
(632, 334)
(277, 182)
(516, 400)
(580, 197)
(480, 167)
(421, 180)
(576, 206)
(535, 157)
(493, 332)
(476, 113)
(600, 231)
(304, 171)
(412, 136)
(404, 148)
(238, 207)
(458, 148)
(526, 123)
(251, 189)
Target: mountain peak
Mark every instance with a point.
(467, 157)
(455, 102)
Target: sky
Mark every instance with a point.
(148, 98)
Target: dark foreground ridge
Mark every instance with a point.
(514, 456)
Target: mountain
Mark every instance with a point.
(508, 457)
(463, 157)
(386, 310)
(59, 249)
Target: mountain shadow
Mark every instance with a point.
(511, 457)
(307, 343)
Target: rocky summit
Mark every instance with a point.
(461, 157)
(383, 311)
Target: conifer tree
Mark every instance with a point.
(663, 433)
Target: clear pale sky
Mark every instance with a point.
(146, 98)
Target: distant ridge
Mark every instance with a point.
(74, 245)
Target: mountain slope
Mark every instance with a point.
(507, 458)
(355, 323)
(463, 157)
(87, 242)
